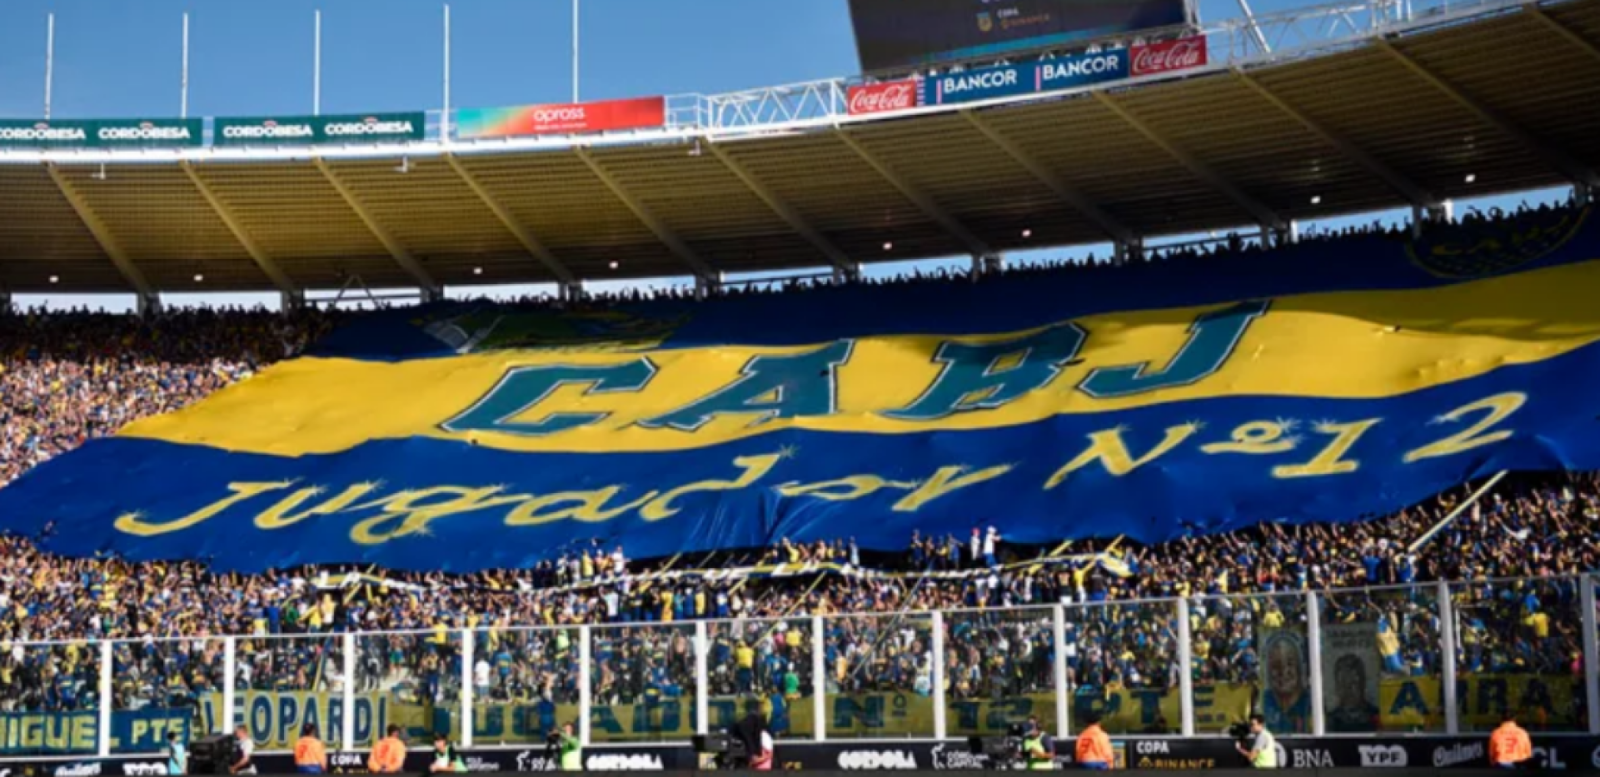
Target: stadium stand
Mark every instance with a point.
(1512, 562)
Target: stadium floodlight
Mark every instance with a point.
(1027, 233)
(614, 264)
(55, 279)
(1316, 199)
(199, 278)
(1471, 178)
(888, 246)
(477, 271)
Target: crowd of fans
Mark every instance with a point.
(69, 377)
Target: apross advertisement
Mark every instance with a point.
(561, 119)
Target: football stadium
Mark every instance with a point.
(1281, 457)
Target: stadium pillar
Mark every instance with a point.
(585, 698)
(1447, 656)
(1421, 216)
(347, 728)
(819, 680)
(707, 285)
(1058, 631)
(702, 680)
(850, 273)
(572, 292)
(230, 657)
(148, 304)
(466, 689)
(104, 736)
(1126, 251)
(290, 301)
(1319, 724)
(987, 264)
(1591, 653)
(5, 302)
(431, 294)
(939, 724)
(1185, 670)
(1582, 194)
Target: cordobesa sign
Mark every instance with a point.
(100, 133)
(319, 130)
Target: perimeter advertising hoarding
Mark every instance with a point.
(1064, 72)
(561, 119)
(890, 35)
(100, 133)
(319, 130)
(882, 98)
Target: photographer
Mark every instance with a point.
(243, 748)
(1034, 751)
(1094, 746)
(1263, 751)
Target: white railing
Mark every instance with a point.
(697, 665)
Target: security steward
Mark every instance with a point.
(1033, 749)
(1263, 752)
(389, 755)
(1509, 745)
(310, 756)
(1094, 746)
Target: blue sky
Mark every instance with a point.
(123, 57)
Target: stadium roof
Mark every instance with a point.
(1503, 99)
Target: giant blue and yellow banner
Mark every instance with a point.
(1325, 382)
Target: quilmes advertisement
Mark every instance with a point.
(100, 133)
(319, 130)
(1063, 72)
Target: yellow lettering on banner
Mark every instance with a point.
(754, 468)
(1499, 406)
(282, 514)
(1256, 437)
(1106, 446)
(1330, 460)
(944, 481)
(135, 523)
(587, 506)
(414, 518)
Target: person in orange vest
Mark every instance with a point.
(1094, 746)
(1509, 745)
(310, 757)
(389, 756)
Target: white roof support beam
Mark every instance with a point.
(667, 237)
(1113, 228)
(268, 267)
(798, 223)
(521, 233)
(1555, 158)
(917, 197)
(1584, 44)
(402, 256)
(1402, 185)
(1257, 210)
(102, 235)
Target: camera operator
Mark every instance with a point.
(751, 732)
(1263, 752)
(243, 749)
(1033, 749)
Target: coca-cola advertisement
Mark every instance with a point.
(881, 98)
(561, 118)
(1168, 56)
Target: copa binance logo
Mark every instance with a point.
(985, 22)
(1479, 250)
